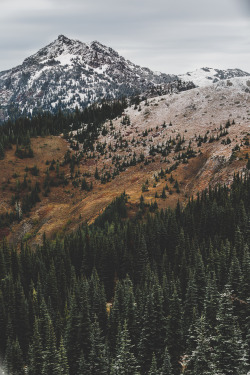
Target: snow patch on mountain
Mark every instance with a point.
(207, 76)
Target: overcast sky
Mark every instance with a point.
(172, 36)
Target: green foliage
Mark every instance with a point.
(176, 282)
(125, 361)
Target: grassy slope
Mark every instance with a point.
(190, 114)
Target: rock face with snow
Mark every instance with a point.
(208, 76)
(68, 73)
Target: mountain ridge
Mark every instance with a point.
(67, 73)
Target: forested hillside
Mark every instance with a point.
(164, 293)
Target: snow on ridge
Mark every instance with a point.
(208, 76)
(65, 59)
(200, 77)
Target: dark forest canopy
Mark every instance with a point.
(177, 285)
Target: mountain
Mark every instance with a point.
(208, 76)
(68, 72)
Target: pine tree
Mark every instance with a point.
(125, 362)
(153, 330)
(84, 324)
(98, 300)
(191, 303)
(166, 367)
(235, 275)
(175, 331)
(97, 361)
(230, 355)
(22, 318)
(35, 352)
(153, 368)
(200, 280)
(14, 362)
(211, 301)
(201, 359)
(51, 364)
(142, 256)
(82, 366)
(63, 361)
(72, 337)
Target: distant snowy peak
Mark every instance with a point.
(207, 76)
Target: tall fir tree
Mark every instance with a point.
(125, 362)
(36, 361)
(230, 352)
(98, 359)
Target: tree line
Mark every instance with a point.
(18, 131)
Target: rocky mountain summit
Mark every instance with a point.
(68, 72)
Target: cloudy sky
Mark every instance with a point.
(172, 36)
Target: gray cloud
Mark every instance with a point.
(245, 6)
(168, 35)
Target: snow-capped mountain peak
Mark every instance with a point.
(68, 72)
(61, 46)
(207, 76)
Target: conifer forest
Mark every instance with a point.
(164, 293)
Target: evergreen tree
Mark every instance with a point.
(51, 357)
(125, 362)
(14, 358)
(166, 367)
(211, 301)
(98, 300)
(82, 366)
(175, 331)
(22, 318)
(153, 368)
(97, 361)
(153, 331)
(230, 354)
(201, 360)
(63, 361)
(36, 353)
(72, 337)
